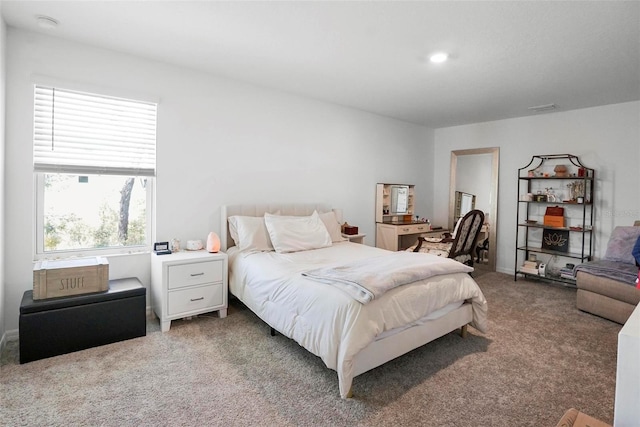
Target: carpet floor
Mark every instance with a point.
(539, 357)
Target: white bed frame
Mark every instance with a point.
(379, 351)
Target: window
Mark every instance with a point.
(94, 160)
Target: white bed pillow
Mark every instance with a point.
(333, 226)
(297, 233)
(250, 233)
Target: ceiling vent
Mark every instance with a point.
(543, 108)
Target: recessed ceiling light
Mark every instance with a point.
(46, 22)
(439, 57)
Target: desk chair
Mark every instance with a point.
(462, 244)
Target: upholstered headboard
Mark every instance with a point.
(298, 209)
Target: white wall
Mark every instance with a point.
(3, 31)
(605, 138)
(219, 142)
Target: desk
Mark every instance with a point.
(400, 236)
(54, 326)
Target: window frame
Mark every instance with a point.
(41, 254)
(38, 177)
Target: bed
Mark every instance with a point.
(351, 336)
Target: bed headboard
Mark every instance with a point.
(297, 209)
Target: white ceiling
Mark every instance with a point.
(506, 55)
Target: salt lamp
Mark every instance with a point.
(213, 243)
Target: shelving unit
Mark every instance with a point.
(541, 184)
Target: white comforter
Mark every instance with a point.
(324, 319)
(371, 278)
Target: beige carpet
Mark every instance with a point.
(540, 357)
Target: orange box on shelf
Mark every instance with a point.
(554, 221)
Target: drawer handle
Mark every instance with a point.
(420, 228)
(197, 274)
(405, 229)
(197, 299)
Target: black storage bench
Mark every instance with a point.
(55, 326)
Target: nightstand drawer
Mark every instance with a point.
(195, 273)
(196, 298)
(413, 229)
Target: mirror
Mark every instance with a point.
(399, 199)
(465, 202)
(474, 172)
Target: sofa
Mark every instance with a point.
(607, 287)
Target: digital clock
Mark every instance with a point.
(161, 248)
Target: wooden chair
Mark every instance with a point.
(460, 247)
(481, 249)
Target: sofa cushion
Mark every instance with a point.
(603, 306)
(608, 287)
(621, 244)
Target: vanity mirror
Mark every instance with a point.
(399, 199)
(474, 179)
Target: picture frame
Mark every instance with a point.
(555, 240)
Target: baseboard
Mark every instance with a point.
(505, 270)
(7, 337)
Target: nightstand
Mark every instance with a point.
(188, 283)
(355, 238)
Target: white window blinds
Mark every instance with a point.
(77, 132)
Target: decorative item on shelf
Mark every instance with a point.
(540, 197)
(349, 229)
(576, 190)
(554, 216)
(561, 171)
(213, 243)
(175, 245)
(194, 245)
(542, 269)
(549, 193)
(555, 240)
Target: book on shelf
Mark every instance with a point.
(567, 273)
(529, 267)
